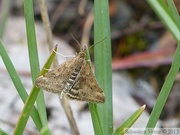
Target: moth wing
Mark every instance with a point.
(86, 88)
(54, 80)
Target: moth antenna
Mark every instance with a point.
(84, 47)
(96, 43)
(76, 40)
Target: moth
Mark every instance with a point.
(73, 79)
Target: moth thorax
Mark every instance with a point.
(82, 54)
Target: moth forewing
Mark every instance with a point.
(73, 78)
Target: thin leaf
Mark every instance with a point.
(93, 107)
(130, 121)
(102, 60)
(31, 100)
(174, 12)
(164, 93)
(166, 88)
(33, 56)
(2, 132)
(18, 84)
(95, 119)
(165, 17)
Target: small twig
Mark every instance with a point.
(64, 102)
(58, 12)
(46, 23)
(70, 117)
(82, 7)
(87, 28)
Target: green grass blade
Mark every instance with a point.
(166, 18)
(93, 108)
(164, 6)
(163, 95)
(102, 59)
(31, 37)
(33, 56)
(2, 132)
(30, 102)
(129, 122)
(26, 112)
(174, 12)
(18, 84)
(95, 119)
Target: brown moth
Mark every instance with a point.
(73, 79)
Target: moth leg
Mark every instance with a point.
(62, 94)
(65, 90)
(75, 84)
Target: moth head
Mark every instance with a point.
(82, 54)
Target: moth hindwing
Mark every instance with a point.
(73, 79)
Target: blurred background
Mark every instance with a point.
(142, 52)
